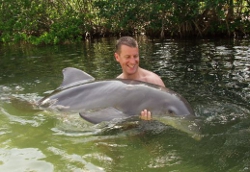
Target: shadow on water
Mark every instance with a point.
(213, 75)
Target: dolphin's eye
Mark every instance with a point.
(170, 111)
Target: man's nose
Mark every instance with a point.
(132, 60)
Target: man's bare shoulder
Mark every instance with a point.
(152, 77)
(149, 74)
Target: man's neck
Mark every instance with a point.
(135, 76)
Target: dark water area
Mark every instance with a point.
(213, 75)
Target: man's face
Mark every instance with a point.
(128, 59)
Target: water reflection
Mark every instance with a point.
(27, 159)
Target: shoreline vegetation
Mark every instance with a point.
(59, 21)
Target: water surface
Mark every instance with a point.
(213, 75)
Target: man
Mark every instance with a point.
(127, 54)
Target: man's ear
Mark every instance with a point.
(117, 57)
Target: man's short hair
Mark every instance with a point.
(125, 40)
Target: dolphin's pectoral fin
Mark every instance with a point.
(73, 76)
(100, 115)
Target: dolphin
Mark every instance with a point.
(104, 100)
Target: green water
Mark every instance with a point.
(213, 75)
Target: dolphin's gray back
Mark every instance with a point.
(98, 94)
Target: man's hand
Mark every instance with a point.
(146, 115)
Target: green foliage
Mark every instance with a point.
(58, 21)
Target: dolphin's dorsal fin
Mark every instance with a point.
(73, 76)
